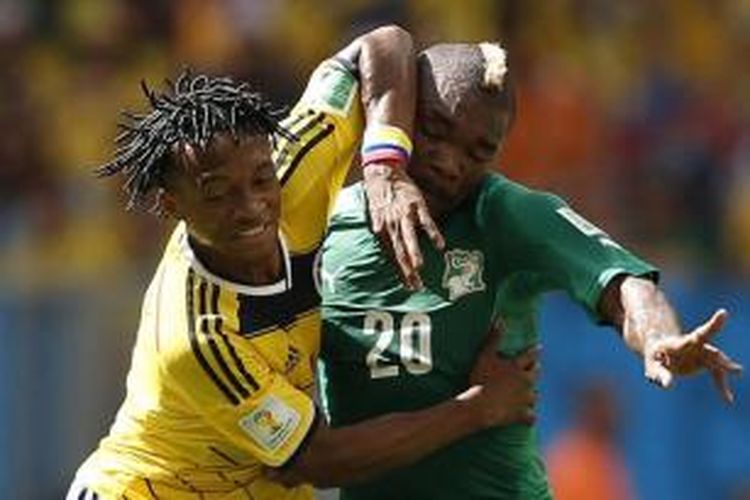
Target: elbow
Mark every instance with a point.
(391, 35)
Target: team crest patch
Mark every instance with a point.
(463, 272)
(271, 424)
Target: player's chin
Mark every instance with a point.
(442, 201)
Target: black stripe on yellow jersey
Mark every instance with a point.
(299, 126)
(215, 293)
(151, 490)
(308, 145)
(195, 344)
(204, 324)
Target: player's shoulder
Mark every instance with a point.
(350, 199)
(349, 209)
(500, 194)
(332, 89)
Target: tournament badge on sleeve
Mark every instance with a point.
(271, 424)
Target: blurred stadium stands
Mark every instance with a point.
(637, 112)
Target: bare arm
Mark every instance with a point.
(385, 61)
(650, 327)
(341, 456)
(503, 393)
(640, 310)
(386, 64)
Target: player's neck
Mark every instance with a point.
(258, 271)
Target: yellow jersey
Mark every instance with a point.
(222, 373)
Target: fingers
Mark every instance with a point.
(397, 212)
(529, 359)
(722, 384)
(409, 235)
(429, 226)
(715, 358)
(721, 366)
(376, 216)
(528, 417)
(708, 330)
(686, 355)
(379, 196)
(411, 279)
(494, 336)
(530, 365)
(399, 236)
(526, 412)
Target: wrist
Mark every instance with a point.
(380, 171)
(475, 412)
(385, 145)
(651, 341)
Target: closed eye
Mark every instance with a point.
(483, 152)
(214, 191)
(265, 173)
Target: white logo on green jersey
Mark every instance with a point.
(586, 227)
(463, 272)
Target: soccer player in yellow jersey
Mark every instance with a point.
(219, 398)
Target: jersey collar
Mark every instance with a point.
(280, 286)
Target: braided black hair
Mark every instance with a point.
(192, 112)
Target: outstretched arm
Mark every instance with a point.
(502, 393)
(650, 327)
(385, 61)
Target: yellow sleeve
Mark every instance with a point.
(328, 123)
(229, 383)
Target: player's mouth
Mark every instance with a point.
(255, 232)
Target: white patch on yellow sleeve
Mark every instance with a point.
(271, 424)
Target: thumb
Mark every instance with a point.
(710, 328)
(658, 374)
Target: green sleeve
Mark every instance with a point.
(538, 233)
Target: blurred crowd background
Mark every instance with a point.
(638, 112)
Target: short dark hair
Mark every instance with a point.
(465, 67)
(192, 111)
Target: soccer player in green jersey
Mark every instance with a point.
(388, 349)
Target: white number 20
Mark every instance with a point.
(415, 343)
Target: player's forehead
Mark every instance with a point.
(471, 114)
(432, 106)
(224, 153)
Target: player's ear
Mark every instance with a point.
(166, 204)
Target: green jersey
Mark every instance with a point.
(386, 349)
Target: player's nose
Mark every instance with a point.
(444, 163)
(249, 209)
